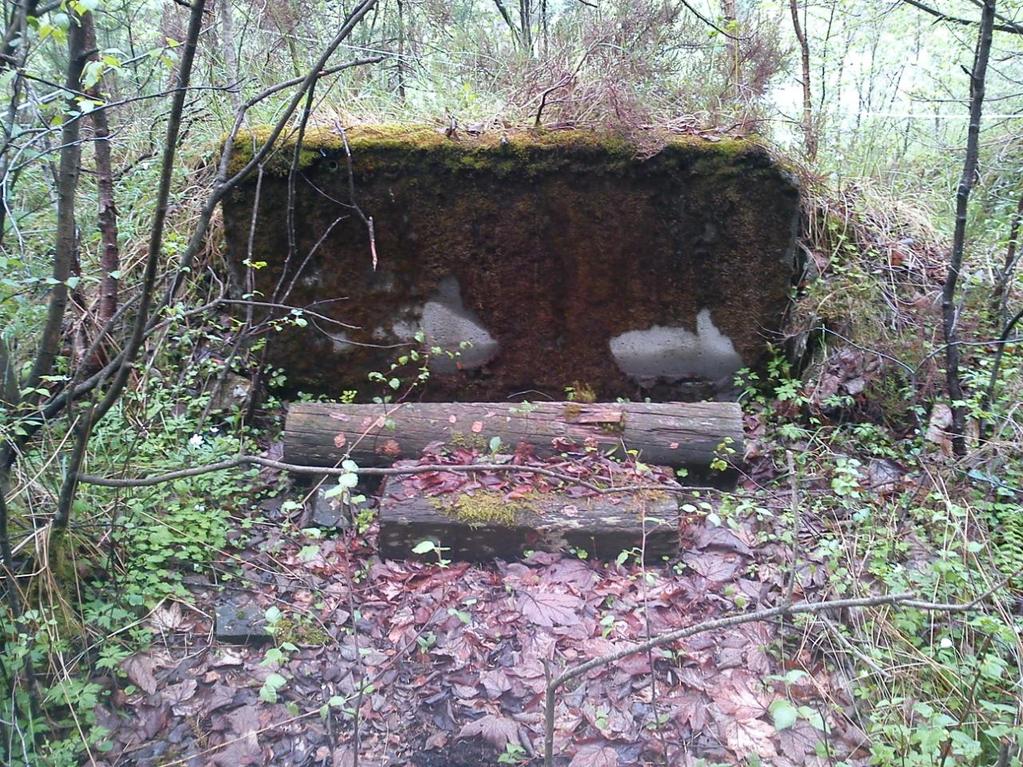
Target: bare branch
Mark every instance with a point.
(256, 460)
(1010, 26)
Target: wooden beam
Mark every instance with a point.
(485, 525)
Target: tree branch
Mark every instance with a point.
(256, 460)
(1010, 26)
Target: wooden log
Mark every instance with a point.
(484, 525)
(673, 434)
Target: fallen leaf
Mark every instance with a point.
(799, 741)
(139, 669)
(178, 693)
(550, 609)
(712, 565)
(243, 748)
(389, 448)
(167, 618)
(737, 699)
(339, 440)
(496, 730)
(594, 755)
(749, 737)
(495, 682)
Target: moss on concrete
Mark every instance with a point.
(531, 152)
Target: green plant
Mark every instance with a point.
(432, 547)
(513, 754)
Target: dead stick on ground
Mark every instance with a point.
(255, 460)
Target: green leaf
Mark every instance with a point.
(267, 694)
(784, 714)
(276, 681)
(424, 547)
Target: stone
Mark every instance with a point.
(240, 621)
(327, 513)
(231, 392)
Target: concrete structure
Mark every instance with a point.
(524, 262)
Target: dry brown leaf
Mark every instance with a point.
(550, 609)
(496, 730)
(139, 669)
(594, 755)
(749, 737)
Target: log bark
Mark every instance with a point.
(688, 435)
(600, 526)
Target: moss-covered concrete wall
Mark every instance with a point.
(564, 258)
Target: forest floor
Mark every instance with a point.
(377, 662)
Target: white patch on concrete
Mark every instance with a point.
(341, 342)
(404, 331)
(448, 324)
(675, 353)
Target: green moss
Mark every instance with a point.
(580, 391)
(484, 508)
(299, 631)
(501, 153)
(614, 427)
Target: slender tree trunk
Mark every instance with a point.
(966, 181)
(229, 46)
(110, 255)
(728, 11)
(516, 32)
(809, 131)
(526, 23)
(63, 263)
(17, 26)
(66, 234)
(1000, 294)
(94, 413)
(401, 50)
(544, 30)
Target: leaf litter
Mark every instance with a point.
(418, 664)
